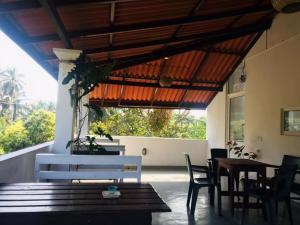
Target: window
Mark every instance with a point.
(236, 118)
(236, 105)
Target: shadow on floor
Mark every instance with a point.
(174, 194)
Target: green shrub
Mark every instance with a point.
(3, 123)
(40, 126)
(2, 152)
(14, 137)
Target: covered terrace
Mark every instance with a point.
(170, 55)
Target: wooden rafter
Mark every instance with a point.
(156, 85)
(193, 78)
(145, 104)
(196, 38)
(201, 65)
(33, 4)
(51, 11)
(111, 21)
(151, 25)
(143, 58)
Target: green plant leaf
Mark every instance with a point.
(69, 144)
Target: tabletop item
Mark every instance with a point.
(111, 194)
(112, 188)
(66, 203)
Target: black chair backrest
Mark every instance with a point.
(291, 160)
(283, 181)
(189, 166)
(218, 153)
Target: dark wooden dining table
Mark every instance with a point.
(234, 167)
(77, 204)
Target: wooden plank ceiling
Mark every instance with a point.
(195, 43)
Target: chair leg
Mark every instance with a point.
(211, 191)
(276, 207)
(189, 194)
(219, 199)
(270, 211)
(244, 211)
(288, 205)
(194, 199)
(264, 209)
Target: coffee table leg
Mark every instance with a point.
(219, 199)
(231, 191)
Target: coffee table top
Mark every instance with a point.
(51, 198)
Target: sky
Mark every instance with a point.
(39, 84)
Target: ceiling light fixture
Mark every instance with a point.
(165, 82)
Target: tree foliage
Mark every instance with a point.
(26, 124)
(40, 126)
(159, 123)
(12, 91)
(14, 137)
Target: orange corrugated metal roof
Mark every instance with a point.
(197, 44)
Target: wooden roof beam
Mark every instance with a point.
(138, 59)
(140, 79)
(145, 104)
(197, 37)
(56, 21)
(33, 4)
(156, 85)
(151, 25)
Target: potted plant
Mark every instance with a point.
(85, 76)
(238, 150)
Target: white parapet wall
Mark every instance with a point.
(18, 166)
(165, 151)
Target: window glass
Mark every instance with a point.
(237, 118)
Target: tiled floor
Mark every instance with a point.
(172, 187)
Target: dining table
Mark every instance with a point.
(234, 166)
(78, 204)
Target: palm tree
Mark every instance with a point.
(12, 90)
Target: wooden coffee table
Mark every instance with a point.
(76, 204)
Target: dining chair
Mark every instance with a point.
(217, 153)
(195, 184)
(279, 189)
(213, 164)
(290, 160)
(293, 160)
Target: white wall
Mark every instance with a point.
(273, 83)
(165, 151)
(19, 166)
(216, 121)
(273, 79)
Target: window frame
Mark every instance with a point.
(229, 97)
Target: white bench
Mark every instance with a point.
(111, 167)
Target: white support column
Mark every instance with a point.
(64, 111)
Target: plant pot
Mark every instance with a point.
(100, 152)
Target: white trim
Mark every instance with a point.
(24, 151)
(110, 167)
